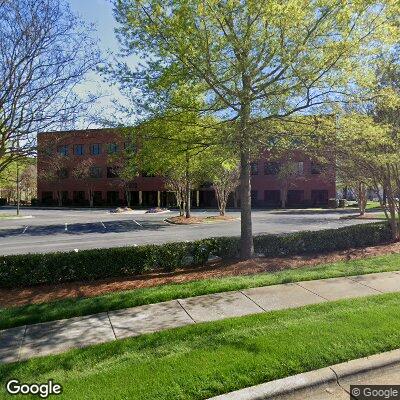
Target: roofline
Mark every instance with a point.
(78, 131)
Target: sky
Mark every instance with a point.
(99, 12)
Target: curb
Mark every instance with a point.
(313, 378)
(11, 218)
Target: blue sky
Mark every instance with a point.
(99, 12)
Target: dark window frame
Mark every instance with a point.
(98, 147)
(63, 150)
(254, 168)
(272, 168)
(79, 146)
(112, 173)
(95, 175)
(112, 148)
(63, 173)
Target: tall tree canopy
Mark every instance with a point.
(251, 60)
(45, 52)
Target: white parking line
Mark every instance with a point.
(66, 227)
(137, 223)
(25, 229)
(103, 225)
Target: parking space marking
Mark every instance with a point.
(25, 229)
(103, 225)
(66, 227)
(137, 223)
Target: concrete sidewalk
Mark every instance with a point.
(57, 336)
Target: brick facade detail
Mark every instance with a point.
(309, 188)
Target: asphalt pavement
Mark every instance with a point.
(52, 230)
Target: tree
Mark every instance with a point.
(287, 174)
(225, 181)
(54, 167)
(222, 166)
(127, 164)
(26, 177)
(45, 52)
(86, 172)
(176, 151)
(253, 60)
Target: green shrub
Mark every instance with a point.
(35, 269)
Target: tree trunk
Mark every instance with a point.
(187, 178)
(361, 198)
(128, 197)
(246, 238)
(284, 198)
(59, 198)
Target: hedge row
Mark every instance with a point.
(34, 269)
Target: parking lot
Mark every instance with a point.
(76, 229)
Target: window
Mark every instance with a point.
(95, 149)
(112, 172)
(271, 168)
(129, 147)
(147, 174)
(112, 148)
(63, 150)
(295, 197)
(254, 197)
(78, 197)
(254, 168)
(47, 151)
(112, 198)
(63, 173)
(300, 168)
(272, 198)
(78, 150)
(316, 168)
(95, 172)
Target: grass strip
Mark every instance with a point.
(199, 361)
(43, 312)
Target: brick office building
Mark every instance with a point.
(63, 151)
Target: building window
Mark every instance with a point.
(316, 168)
(129, 147)
(295, 197)
(112, 148)
(63, 173)
(95, 149)
(62, 150)
(95, 172)
(254, 168)
(78, 150)
(147, 174)
(47, 197)
(254, 197)
(47, 151)
(112, 172)
(299, 168)
(79, 196)
(271, 168)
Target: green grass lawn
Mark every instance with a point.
(17, 316)
(199, 361)
(372, 205)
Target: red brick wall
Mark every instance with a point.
(306, 183)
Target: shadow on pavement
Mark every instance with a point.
(83, 228)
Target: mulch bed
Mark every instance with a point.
(40, 294)
(181, 220)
